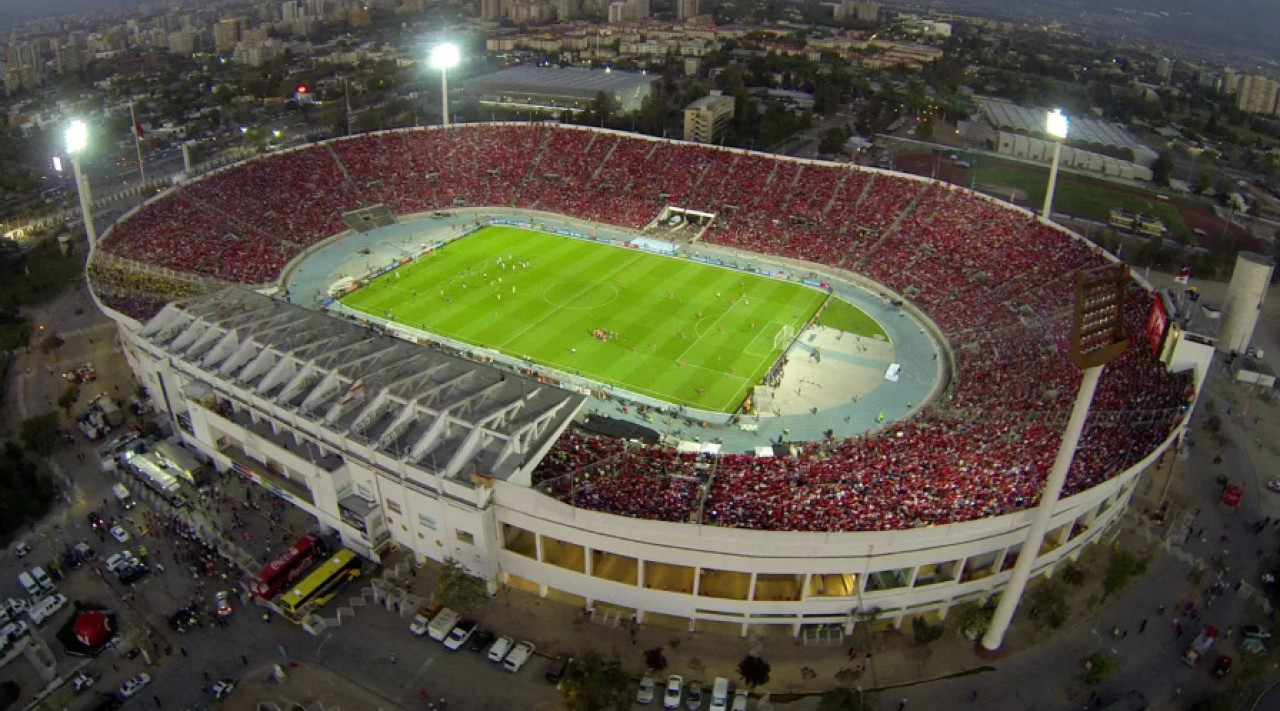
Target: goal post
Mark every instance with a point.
(784, 337)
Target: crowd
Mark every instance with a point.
(996, 281)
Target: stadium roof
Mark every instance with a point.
(1003, 114)
(440, 413)
(569, 81)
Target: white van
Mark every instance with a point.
(720, 694)
(29, 584)
(42, 579)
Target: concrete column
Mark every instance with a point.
(751, 591)
(537, 547)
(804, 586)
(639, 572)
(587, 562)
(697, 581)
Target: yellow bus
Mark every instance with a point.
(321, 585)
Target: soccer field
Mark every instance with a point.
(675, 330)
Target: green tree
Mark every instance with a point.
(1203, 183)
(600, 111)
(923, 631)
(1073, 574)
(1162, 169)
(28, 491)
(459, 589)
(1123, 568)
(972, 621)
(1098, 666)
(832, 141)
(1049, 606)
(655, 660)
(51, 343)
(39, 434)
(70, 395)
(754, 671)
(596, 684)
(924, 130)
(847, 700)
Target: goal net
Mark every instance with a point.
(784, 337)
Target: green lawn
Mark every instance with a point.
(686, 332)
(844, 316)
(1076, 196)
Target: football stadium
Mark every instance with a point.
(692, 386)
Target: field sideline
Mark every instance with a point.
(676, 330)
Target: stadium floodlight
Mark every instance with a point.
(77, 139)
(1057, 125)
(1097, 338)
(444, 57)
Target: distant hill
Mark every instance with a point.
(1238, 26)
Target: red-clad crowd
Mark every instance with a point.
(995, 280)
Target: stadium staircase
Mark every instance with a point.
(595, 174)
(704, 492)
(242, 225)
(534, 172)
(697, 183)
(865, 255)
(844, 176)
(347, 177)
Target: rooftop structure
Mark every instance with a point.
(1005, 115)
(445, 415)
(555, 89)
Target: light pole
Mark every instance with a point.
(444, 57)
(1097, 337)
(1056, 125)
(77, 137)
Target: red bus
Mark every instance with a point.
(288, 567)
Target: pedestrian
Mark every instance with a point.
(902, 704)
(244, 660)
(393, 658)
(1142, 626)
(422, 693)
(157, 700)
(1125, 634)
(973, 696)
(183, 650)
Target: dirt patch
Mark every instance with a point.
(306, 685)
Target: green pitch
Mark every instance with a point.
(686, 332)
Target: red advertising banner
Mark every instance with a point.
(1157, 324)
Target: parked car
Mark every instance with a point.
(675, 689)
(21, 549)
(119, 534)
(500, 648)
(739, 700)
(133, 573)
(82, 681)
(222, 603)
(693, 700)
(459, 635)
(644, 695)
(134, 685)
(95, 521)
(46, 608)
(480, 640)
(557, 669)
(222, 688)
(517, 657)
(120, 561)
(419, 625)
(1255, 631)
(183, 619)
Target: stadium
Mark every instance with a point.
(327, 323)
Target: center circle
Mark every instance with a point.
(580, 294)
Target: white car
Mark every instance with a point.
(675, 688)
(120, 561)
(459, 635)
(223, 688)
(518, 656)
(119, 534)
(14, 607)
(739, 700)
(419, 625)
(644, 695)
(46, 608)
(15, 629)
(80, 682)
(693, 700)
(21, 549)
(134, 685)
(500, 647)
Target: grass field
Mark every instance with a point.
(686, 332)
(844, 316)
(1081, 197)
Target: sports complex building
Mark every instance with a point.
(335, 324)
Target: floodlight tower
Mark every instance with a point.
(445, 57)
(1097, 338)
(1057, 125)
(77, 138)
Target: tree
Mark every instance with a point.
(1049, 606)
(1162, 169)
(832, 141)
(1073, 574)
(39, 434)
(1124, 567)
(596, 684)
(923, 631)
(655, 660)
(847, 700)
(70, 395)
(1098, 666)
(459, 589)
(754, 671)
(1203, 183)
(924, 130)
(972, 621)
(51, 343)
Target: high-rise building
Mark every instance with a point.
(227, 33)
(1257, 95)
(185, 42)
(1230, 81)
(568, 9)
(289, 12)
(1209, 79)
(638, 9)
(24, 67)
(686, 9)
(69, 59)
(706, 118)
(491, 10)
(617, 11)
(867, 11)
(1164, 69)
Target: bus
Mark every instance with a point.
(286, 568)
(123, 496)
(321, 586)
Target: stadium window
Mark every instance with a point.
(395, 508)
(426, 522)
(465, 537)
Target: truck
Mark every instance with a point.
(111, 413)
(123, 496)
(1200, 646)
(442, 624)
